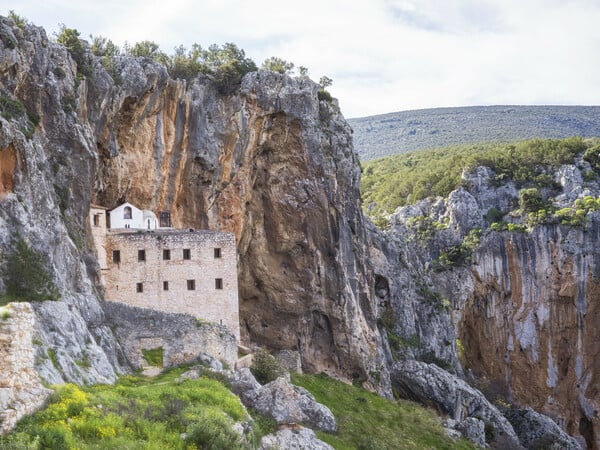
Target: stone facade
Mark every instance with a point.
(182, 337)
(179, 271)
(21, 391)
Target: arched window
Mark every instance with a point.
(127, 212)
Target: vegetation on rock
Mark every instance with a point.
(265, 367)
(25, 276)
(276, 64)
(405, 179)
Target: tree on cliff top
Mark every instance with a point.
(69, 37)
(226, 66)
(275, 64)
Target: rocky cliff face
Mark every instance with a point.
(524, 304)
(271, 163)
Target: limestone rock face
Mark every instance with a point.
(275, 166)
(523, 306)
(271, 163)
(47, 174)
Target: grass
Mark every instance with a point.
(154, 357)
(136, 413)
(367, 421)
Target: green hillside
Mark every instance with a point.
(399, 132)
(167, 413)
(398, 180)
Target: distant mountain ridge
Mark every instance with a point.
(399, 132)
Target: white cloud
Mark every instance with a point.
(383, 55)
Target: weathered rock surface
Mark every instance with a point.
(282, 401)
(524, 306)
(431, 385)
(182, 338)
(298, 438)
(271, 163)
(538, 431)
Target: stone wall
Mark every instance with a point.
(142, 283)
(21, 391)
(182, 337)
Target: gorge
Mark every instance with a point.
(275, 165)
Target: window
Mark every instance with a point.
(127, 212)
(152, 322)
(165, 285)
(217, 252)
(166, 254)
(116, 256)
(218, 283)
(187, 254)
(165, 219)
(139, 287)
(191, 285)
(96, 220)
(141, 255)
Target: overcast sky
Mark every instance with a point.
(383, 55)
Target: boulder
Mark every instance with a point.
(536, 430)
(285, 403)
(298, 438)
(433, 386)
(245, 385)
(472, 429)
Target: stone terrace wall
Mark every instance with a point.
(182, 337)
(204, 301)
(21, 391)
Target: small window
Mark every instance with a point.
(191, 285)
(166, 254)
(152, 322)
(217, 252)
(165, 285)
(116, 256)
(96, 220)
(218, 283)
(187, 254)
(139, 287)
(165, 219)
(141, 255)
(127, 212)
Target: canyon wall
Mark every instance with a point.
(523, 304)
(271, 163)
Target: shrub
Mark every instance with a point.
(275, 64)
(25, 276)
(212, 431)
(324, 95)
(69, 37)
(530, 200)
(494, 215)
(18, 20)
(154, 357)
(592, 155)
(265, 367)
